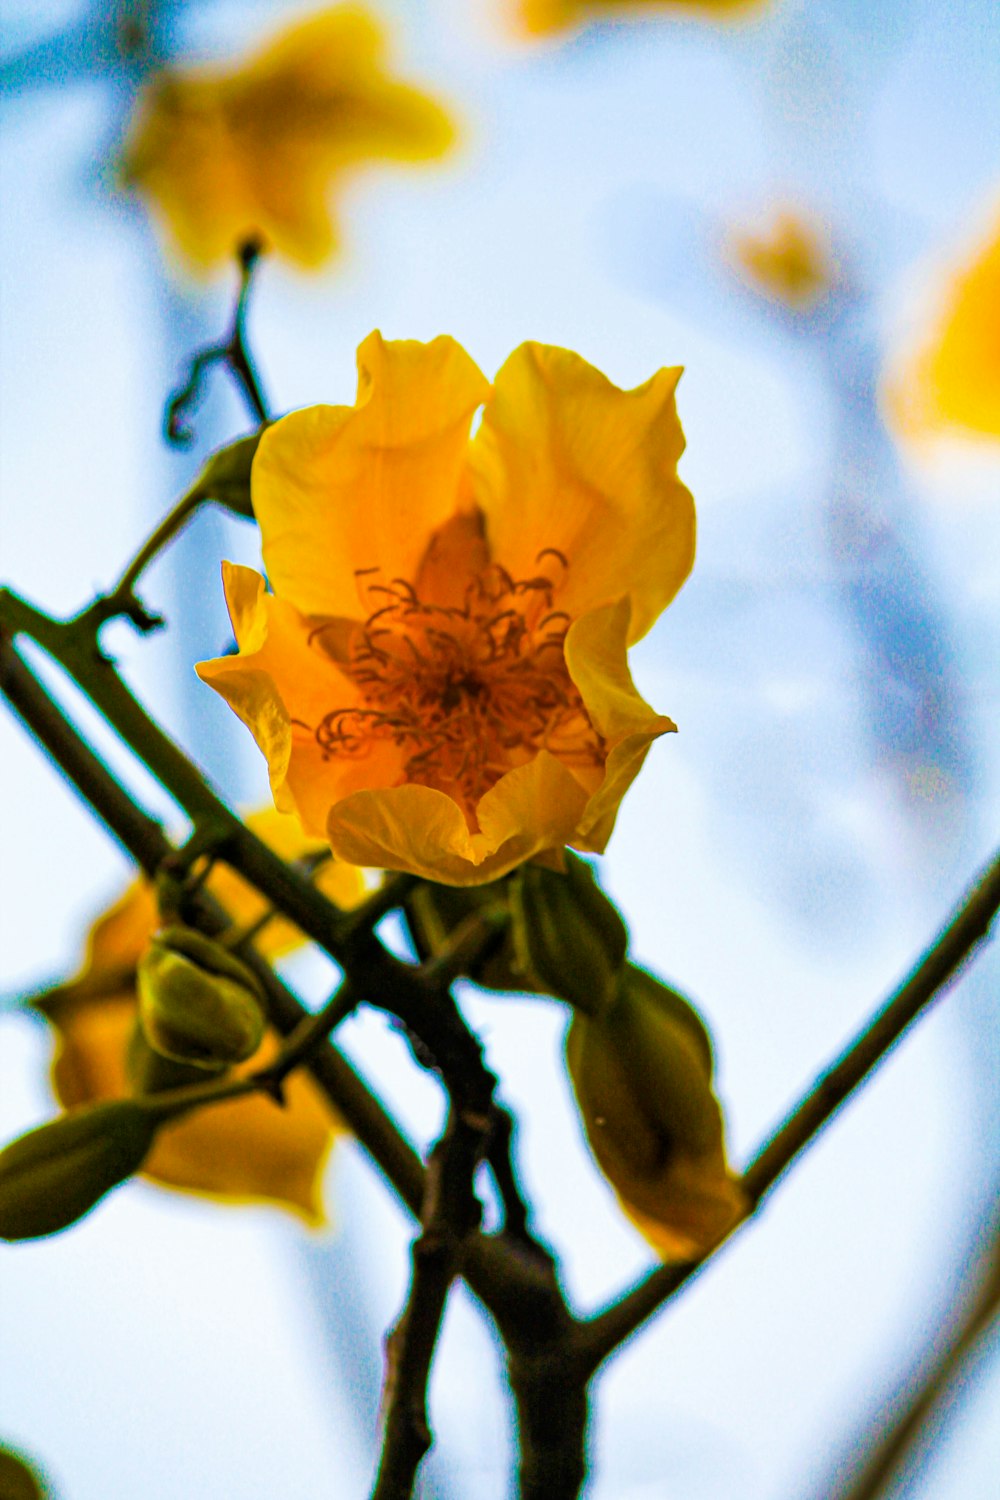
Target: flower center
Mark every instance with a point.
(466, 692)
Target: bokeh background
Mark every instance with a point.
(834, 785)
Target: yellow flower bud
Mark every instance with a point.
(197, 1003)
(568, 938)
(52, 1176)
(642, 1074)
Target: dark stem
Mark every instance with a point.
(232, 351)
(416, 997)
(122, 599)
(304, 1040)
(495, 1269)
(451, 1213)
(139, 835)
(901, 1449)
(603, 1334)
(516, 1213)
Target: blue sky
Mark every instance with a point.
(772, 860)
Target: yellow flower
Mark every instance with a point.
(950, 383)
(787, 260)
(224, 155)
(246, 1150)
(540, 17)
(439, 680)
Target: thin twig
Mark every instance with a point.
(603, 1334)
(913, 1430)
(516, 1213)
(122, 598)
(451, 1213)
(304, 1039)
(231, 351)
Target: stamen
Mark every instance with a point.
(465, 692)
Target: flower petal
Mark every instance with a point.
(950, 383)
(565, 460)
(531, 809)
(252, 151)
(596, 660)
(337, 489)
(541, 17)
(274, 648)
(250, 1150)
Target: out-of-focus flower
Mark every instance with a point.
(787, 259)
(225, 155)
(641, 1070)
(540, 17)
(948, 382)
(439, 681)
(245, 1150)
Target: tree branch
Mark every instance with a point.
(889, 1455)
(231, 351)
(451, 1213)
(496, 1270)
(603, 1334)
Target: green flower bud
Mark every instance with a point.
(568, 938)
(197, 1003)
(54, 1175)
(642, 1074)
(18, 1479)
(226, 476)
(149, 1072)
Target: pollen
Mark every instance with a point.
(466, 692)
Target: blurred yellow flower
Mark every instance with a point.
(787, 259)
(439, 680)
(224, 155)
(539, 17)
(246, 1150)
(948, 381)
